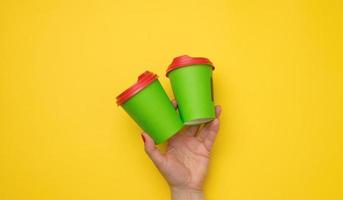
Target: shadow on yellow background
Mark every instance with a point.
(278, 77)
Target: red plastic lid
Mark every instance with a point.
(143, 80)
(185, 60)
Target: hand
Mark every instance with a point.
(185, 163)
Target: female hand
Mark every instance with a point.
(184, 165)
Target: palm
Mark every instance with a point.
(186, 160)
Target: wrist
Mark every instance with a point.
(186, 194)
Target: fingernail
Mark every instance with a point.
(143, 138)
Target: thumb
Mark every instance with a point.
(153, 152)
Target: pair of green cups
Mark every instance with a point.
(148, 104)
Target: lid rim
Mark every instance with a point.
(185, 61)
(144, 80)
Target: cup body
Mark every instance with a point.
(153, 112)
(193, 90)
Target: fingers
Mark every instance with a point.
(212, 131)
(174, 103)
(218, 111)
(191, 130)
(208, 133)
(153, 152)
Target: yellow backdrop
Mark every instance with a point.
(278, 77)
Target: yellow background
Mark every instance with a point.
(278, 77)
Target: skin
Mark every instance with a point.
(184, 165)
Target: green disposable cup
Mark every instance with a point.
(148, 104)
(191, 80)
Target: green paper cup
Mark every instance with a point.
(191, 80)
(148, 104)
